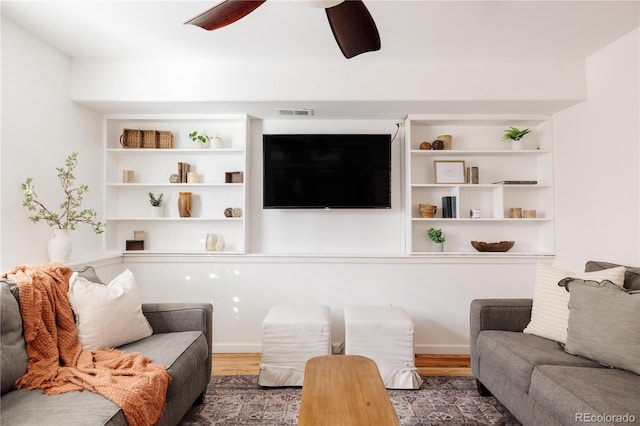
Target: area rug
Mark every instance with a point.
(238, 400)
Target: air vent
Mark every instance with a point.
(295, 112)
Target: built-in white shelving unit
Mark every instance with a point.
(477, 140)
(127, 205)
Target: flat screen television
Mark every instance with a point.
(318, 171)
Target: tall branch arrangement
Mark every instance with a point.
(70, 214)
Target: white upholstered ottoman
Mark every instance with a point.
(384, 334)
(292, 334)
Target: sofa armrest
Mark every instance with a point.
(496, 314)
(174, 317)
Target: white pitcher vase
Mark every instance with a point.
(60, 246)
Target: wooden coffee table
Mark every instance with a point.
(344, 390)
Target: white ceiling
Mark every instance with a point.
(289, 29)
(415, 30)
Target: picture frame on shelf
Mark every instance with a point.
(449, 171)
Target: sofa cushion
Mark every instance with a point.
(31, 407)
(88, 272)
(550, 310)
(513, 356)
(181, 352)
(631, 274)
(604, 323)
(107, 315)
(12, 346)
(569, 394)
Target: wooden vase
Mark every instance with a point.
(184, 204)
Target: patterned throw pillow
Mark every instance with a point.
(631, 275)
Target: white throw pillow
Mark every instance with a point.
(109, 315)
(550, 311)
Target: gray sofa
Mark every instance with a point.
(536, 380)
(181, 340)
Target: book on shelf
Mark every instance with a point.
(516, 182)
(448, 207)
(183, 170)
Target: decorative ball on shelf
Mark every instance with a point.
(437, 144)
(174, 178)
(236, 212)
(425, 145)
(228, 212)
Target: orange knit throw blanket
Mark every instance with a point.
(57, 362)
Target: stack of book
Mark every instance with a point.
(183, 169)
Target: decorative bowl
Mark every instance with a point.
(427, 210)
(501, 246)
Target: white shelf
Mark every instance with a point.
(173, 151)
(175, 219)
(175, 185)
(126, 204)
(476, 153)
(482, 219)
(509, 254)
(479, 186)
(203, 253)
(477, 141)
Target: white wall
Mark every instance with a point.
(372, 231)
(591, 194)
(303, 80)
(41, 126)
(597, 148)
(435, 294)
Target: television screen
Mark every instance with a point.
(349, 171)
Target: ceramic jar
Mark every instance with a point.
(212, 240)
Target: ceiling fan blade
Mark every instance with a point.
(225, 13)
(353, 28)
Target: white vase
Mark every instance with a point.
(156, 211)
(216, 142)
(212, 240)
(60, 246)
(517, 145)
(438, 247)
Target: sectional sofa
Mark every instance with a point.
(538, 380)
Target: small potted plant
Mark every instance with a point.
(515, 135)
(200, 139)
(156, 204)
(437, 237)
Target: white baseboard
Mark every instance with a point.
(442, 349)
(251, 348)
(237, 348)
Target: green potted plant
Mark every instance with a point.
(156, 204)
(70, 215)
(515, 135)
(437, 237)
(200, 139)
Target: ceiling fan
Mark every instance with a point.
(350, 21)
